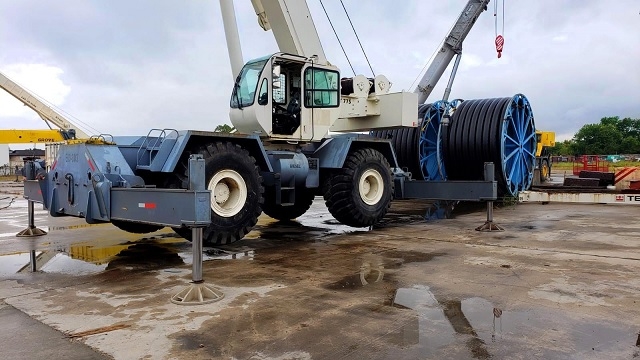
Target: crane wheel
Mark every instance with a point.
(545, 171)
(360, 193)
(236, 189)
(134, 227)
(303, 201)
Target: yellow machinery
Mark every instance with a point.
(545, 140)
(34, 136)
(66, 131)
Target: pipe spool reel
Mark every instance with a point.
(498, 130)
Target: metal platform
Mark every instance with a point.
(579, 197)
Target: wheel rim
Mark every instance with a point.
(228, 193)
(430, 144)
(545, 170)
(370, 187)
(518, 145)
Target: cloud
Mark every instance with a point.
(469, 62)
(39, 79)
(560, 38)
(161, 63)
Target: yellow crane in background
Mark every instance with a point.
(66, 131)
(46, 112)
(545, 140)
(15, 136)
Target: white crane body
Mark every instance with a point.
(296, 94)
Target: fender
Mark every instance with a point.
(334, 151)
(166, 161)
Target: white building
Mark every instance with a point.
(4, 154)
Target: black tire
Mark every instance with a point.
(303, 201)
(545, 170)
(230, 224)
(135, 228)
(344, 200)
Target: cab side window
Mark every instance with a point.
(321, 88)
(263, 99)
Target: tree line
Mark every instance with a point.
(611, 136)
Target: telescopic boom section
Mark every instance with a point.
(451, 46)
(45, 111)
(292, 26)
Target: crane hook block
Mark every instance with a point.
(499, 45)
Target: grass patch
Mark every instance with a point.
(8, 177)
(569, 165)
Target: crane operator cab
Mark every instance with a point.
(285, 97)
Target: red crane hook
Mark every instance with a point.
(499, 45)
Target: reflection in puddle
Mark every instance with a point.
(11, 264)
(145, 256)
(61, 263)
(219, 254)
(445, 326)
(93, 257)
(371, 271)
(304, 228)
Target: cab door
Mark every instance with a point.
(320, 101)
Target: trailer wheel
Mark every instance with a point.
(360, 193)
(545, 171)
(236, 193)
(134, 227)
(303, 201)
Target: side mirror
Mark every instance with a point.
(275, 77)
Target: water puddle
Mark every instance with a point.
(372, 271)
(374, 266)
(61, 263)
(84, 258)
(13, 263)
(476, 328)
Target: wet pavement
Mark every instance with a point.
(561, 282)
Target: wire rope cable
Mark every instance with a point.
(337, 37)
(357, 38)
(49, 104)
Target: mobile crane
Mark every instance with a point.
(283, 107)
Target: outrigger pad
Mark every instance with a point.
(490, 226)
(31, 232)
(196, 294)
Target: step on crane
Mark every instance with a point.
(283, 106)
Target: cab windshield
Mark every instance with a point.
(246, 84)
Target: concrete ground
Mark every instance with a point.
(560, 282)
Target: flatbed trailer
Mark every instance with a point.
(581, 196)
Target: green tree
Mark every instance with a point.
(611, 136)
(598, 139)
(224, 128)
(562, 148)
(630, 145)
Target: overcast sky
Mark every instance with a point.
(123, 67)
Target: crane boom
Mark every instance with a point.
(292, 26)
(46, 112)
(32, 136)
(451, 46)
